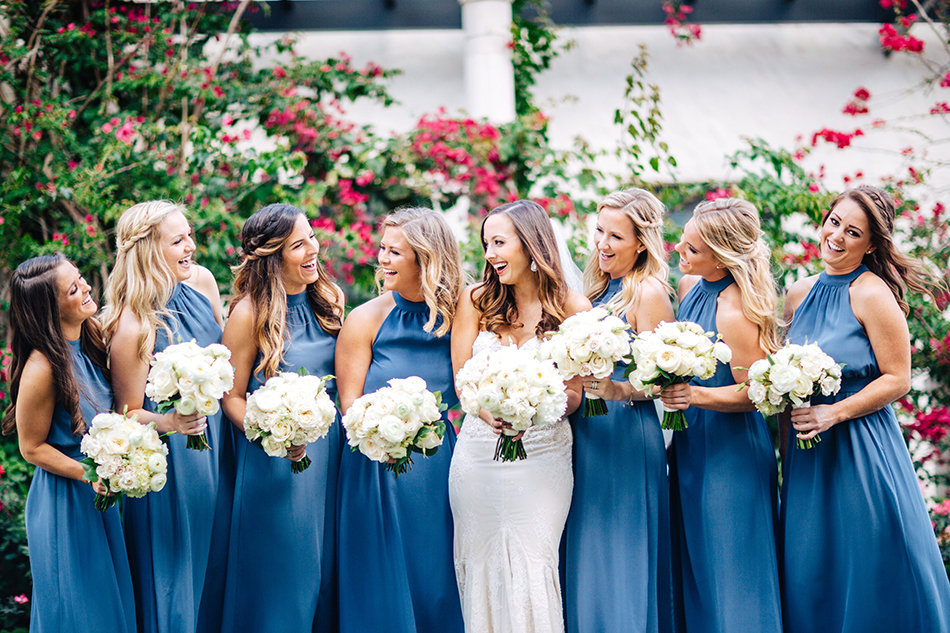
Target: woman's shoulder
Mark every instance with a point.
(686, 283)
(869, 291)
(797, 293)
(576, 302)
(373, 311)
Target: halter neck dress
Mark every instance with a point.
(859, 550)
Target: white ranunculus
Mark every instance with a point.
(391, 429)
(759, 369)
(157, 481)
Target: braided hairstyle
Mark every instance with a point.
(141, 280)
(259, 277)
(35, 325)
(899, 271)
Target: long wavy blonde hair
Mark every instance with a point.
(645, 212)
(259, 278)
(899, 271)
(730, 228)
(440, 262)
(495, 301)
(141, 280)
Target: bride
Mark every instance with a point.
(509, 515)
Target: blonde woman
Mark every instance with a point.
(859, 549)
(723, 473)
(509, 516)
(618, 527)
(395, 543)
(285, 315)
(156, 296)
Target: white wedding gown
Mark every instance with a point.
(508, 522)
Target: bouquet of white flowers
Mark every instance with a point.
(588, 343)
(790, 376)
(393, 422)
(674, 353)
(516, 386)
(190, 379)
(127, 456)
(289, 410)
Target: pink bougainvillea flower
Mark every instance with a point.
(125, 132)
(21, 599)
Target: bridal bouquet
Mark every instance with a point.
(674, 353)
(190, 379)
(516, 386)
(127, 456)
(790, 376)
(588, 343)
(289, 410)
(393, 422)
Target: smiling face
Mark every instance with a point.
(845, 237)
(696, 258)
(504, 250)
(401, 271)
(616, 242)
(299, 257)
(75, 303)
(175, 238)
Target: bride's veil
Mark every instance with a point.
(572, 274)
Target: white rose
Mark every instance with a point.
(784, 377)
(372, 450)
(186, 405)
(776, 397)
(608, 346)
(601, 367)
(830, 385)
(115, 444)
(391, 429)
(429, 440)
(669, 359)
(803, 387)
(273, 447)
(281, 430)
(757, 392)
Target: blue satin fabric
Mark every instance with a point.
(616, 562)
(723, 506)
(859, 551)
(73, 546)
(396, 535)
(169, 534)
(281, 573)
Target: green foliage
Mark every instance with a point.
(15, 578)
(534, 47)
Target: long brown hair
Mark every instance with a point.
(259, 277)
(35, 325)
(899, 271)
(495, 301)
(440, 264)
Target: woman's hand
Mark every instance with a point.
(678, 396)
(607, 389)
(810, 421)
(100, 488)
(174, 422)
(296, 453)
(498, 426)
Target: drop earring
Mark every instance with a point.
(534, 267)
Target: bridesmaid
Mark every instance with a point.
(723, 493)
(285, 315)
(396, 569)
(509, 516)
(60, 381)
(156, 295)
(859, 550)
(618, 526)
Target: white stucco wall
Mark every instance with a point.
(770, 81)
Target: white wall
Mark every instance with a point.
(770, 81)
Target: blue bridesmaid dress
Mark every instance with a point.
(723, 506)
(281, 574)
(397, 572)
(616, 560)
(81, 578)
(859, 551)
(169, 534)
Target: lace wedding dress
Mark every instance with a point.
(508, 522)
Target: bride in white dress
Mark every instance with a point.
(509, 515)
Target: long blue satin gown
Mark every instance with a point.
(397, 572)
(859, 551)
(169, 534)
(281, 574)
(81, 578)
(616, 560)
(723, 506)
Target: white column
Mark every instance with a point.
(489, 76)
